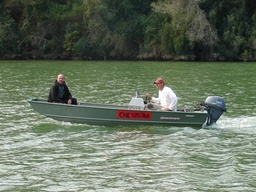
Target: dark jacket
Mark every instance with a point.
(54, 92)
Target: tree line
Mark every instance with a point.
(128, 29)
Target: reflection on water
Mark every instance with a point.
(40, 154)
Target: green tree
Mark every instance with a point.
(235, 27)
(128, 29)
(9, 37)
(189, 22)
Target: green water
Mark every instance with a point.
(40, 154)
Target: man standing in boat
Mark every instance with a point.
(167, 99)
(59, 92)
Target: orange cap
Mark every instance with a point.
(159, 80)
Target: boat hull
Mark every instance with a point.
(116, 115)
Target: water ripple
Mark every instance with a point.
(40, 154)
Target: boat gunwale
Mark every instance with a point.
(110, 107)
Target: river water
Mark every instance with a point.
(40, 154)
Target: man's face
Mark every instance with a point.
(60, 79)
(159, 86)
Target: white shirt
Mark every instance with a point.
(167, 98)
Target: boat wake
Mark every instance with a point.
(237, 122)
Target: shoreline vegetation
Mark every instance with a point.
(81, 58)
(167, 30)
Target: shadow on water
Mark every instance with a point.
(45, 128)
(67, 127)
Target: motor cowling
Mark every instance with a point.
(215, 106)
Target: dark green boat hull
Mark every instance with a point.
(116, 115)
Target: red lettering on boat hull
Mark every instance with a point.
(138, 115)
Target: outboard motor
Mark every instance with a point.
(215, 106)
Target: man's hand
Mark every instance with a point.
(149, 96)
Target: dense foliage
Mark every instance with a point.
(128, 29)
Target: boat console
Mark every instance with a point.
(136, 103)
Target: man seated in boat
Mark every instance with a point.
(167, 99)
(59, 92)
